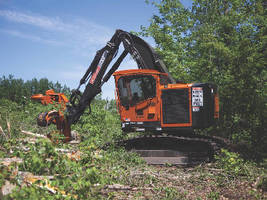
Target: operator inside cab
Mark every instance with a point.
(135, 89)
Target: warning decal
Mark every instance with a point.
(99, 66)
(197, 97)
(195, 109)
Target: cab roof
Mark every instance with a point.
(137, 71)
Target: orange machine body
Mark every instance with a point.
(148, 102)
(50, 97)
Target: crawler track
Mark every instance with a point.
(176, 150)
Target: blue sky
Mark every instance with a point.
(58, 39)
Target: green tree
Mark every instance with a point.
(11, 88)
(222, 42)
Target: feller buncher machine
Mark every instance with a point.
(148, 100)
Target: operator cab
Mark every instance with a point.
(137, 98)
(148, 101)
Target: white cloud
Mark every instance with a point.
(30, 37)
(36, 20)
(79, 34)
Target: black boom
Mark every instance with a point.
(95, 77)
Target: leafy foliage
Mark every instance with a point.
(232, 163)
(223, 42)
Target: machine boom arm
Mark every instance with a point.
(95, 77)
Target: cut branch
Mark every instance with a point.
(125, 187)
(2, 132)
(8, 128)
(33, 134)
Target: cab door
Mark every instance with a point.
(138, 98)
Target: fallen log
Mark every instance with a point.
(126, 187)
(33, 134)
(75, 141)
(8, 161)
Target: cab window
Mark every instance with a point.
(135, 89)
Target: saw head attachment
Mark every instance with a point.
(55, 117)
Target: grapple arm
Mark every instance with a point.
(95, 76)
